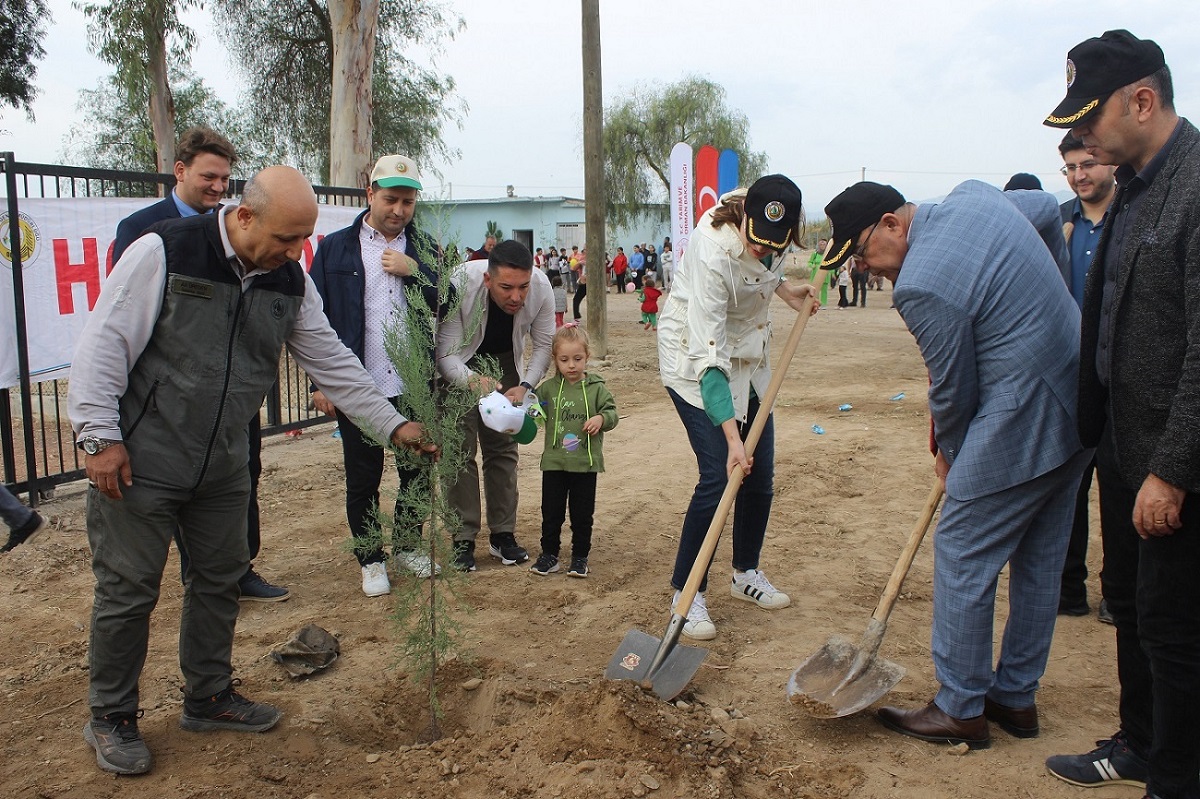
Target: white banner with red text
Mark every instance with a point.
(66, 247)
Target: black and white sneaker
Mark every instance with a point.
(578, 568)
(505, 547)
(464, 556)
(1112, 762)
(753, 586)
(546, 564)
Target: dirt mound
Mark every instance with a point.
(527, 712)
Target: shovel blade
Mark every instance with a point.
(820, 684)
(633, 657)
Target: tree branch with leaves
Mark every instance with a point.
(641, 128)
(22, 27)
(286, 52)
(143, 39)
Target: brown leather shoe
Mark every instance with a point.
(1019, 722)
(931, 724)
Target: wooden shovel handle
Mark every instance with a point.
(765, 405)
(886, 602)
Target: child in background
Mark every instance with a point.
(843, 283)
(649, 296)
(560, 299)
(579, 408)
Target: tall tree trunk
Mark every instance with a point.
(162, 104)
(354, 24)
(593, 180)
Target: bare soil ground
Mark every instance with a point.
(544, 722)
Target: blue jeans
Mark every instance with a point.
(752, 508)
(12, 510)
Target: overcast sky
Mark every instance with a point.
(922, 95)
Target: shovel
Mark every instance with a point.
(662, 665)
(839, 680)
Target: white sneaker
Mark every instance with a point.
(698, 624)
(375, 580)
(753, 586)
(416, 563)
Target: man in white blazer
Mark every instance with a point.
(504, 299)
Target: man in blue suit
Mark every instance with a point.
(977, 285)
(203, 163)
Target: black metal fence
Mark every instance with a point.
(36, 443)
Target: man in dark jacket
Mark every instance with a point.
(204, 161)
(362, 272)
(1083, 220)
(1139, 404)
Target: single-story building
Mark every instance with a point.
(534, 221)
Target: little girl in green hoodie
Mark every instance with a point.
(579, 408)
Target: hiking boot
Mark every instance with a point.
(375, 579)
(753, 586)
(118, 744)
(254, 588)
(1112, 762)
(578, 568)
(546, 564)
(464, 556)
(26, 533)
(1104, 615)
(228, 710)
(416, 564)
(698, 624)
(505, 547)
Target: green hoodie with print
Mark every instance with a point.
(567, 407)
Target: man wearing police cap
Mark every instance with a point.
(1139, 404)
(977, 286)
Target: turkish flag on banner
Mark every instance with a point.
(707, 158)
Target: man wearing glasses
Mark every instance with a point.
(976, 284)
(1083, 222)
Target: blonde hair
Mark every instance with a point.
(571, 333)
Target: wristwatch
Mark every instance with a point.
(526, 386)
(93, 446)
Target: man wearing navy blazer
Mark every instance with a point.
(977, 283)
(363, 273)
(1139, 402)
(203, 163)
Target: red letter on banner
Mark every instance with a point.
(67, 274)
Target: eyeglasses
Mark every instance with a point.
(1067, 169)
(860, 251)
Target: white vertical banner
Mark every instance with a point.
(682, 187)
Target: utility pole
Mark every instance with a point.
(594, 193)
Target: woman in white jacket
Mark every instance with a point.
(714, 359)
